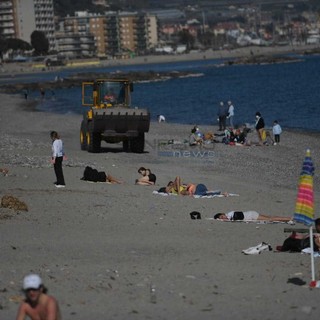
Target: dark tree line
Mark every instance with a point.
(63, 8)
(14, 44)
(39, 43)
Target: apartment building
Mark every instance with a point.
(19, 18)
(8, 26)
(139, 32)
(114, 33)
(44, 19)
(74, 38)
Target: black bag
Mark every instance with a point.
(195, 215)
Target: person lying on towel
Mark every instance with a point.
(297, 241)
(94, 175)
(249, 216)
(191, 189)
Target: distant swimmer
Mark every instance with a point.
(161, 118)
(26, 93)
(42, 93)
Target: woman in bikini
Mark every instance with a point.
(190, 189)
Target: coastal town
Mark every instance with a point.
(108, 30)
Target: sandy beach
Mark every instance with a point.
(100, 248)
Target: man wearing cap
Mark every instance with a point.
(37, 304)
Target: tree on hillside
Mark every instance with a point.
(64, 7)
(206, 39)
(18, 45)
(39, 42)
(186, 38)
(3, 48)
(136, 4)
(315, 5)
(13, 45)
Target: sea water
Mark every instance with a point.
(287, 92)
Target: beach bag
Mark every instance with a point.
(263, 135)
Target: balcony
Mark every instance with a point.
(112, 34)
(140, 33)
(112, 43)
(139, 25)
(110, 27)
(142, 43)
(140, 19)
(9, 24)
(8, 32)
(113, 48)
(7, 10)
(111, 20)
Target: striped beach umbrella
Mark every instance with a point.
(304, 212)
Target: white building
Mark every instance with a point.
(7, 19)
(19, 18)
(26, 20)
(113, 33)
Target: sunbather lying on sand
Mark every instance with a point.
(94, 175)
(249, 216)
(296, 242)
(177, 187)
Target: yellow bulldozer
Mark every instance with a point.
(110, 117)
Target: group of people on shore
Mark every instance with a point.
(89, 174)
(196, 137)
(236, 135)
(226, 111)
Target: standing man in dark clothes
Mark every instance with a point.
(222, 114)
(259, 127)
(57, 158)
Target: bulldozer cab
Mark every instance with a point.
(104, 93)
(110, 117)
